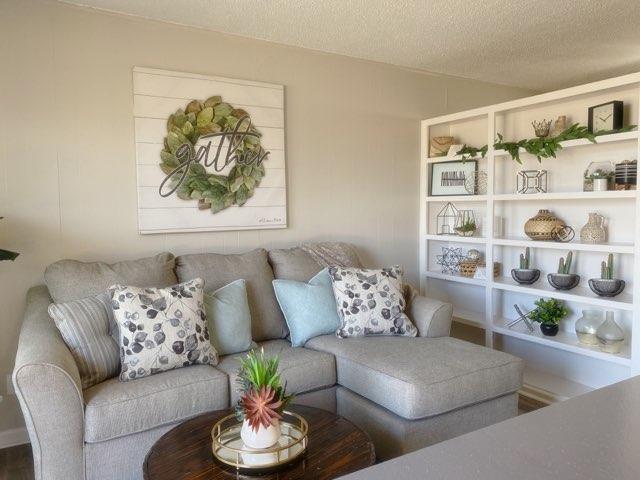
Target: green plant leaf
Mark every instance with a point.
(205, 117)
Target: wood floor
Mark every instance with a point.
(16, 463)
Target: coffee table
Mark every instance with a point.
(336, 447)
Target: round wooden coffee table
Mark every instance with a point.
(336, 447)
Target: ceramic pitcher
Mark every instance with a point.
(594, 230)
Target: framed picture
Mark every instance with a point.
(447, 178)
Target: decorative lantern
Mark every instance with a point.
(532, 181)
(446, 220)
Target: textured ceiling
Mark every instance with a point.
(536, 44)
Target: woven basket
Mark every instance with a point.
(440, 146)
(468, 268)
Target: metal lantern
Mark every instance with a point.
(466, 224)
(446, 220)
(532, 181)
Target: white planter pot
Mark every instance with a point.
(262, 438)
(600, 184)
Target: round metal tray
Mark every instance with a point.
(229, 449)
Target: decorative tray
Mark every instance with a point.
(229, 448)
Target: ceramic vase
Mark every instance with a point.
(543, 225)
(600, 184)
(610, 335)
(587, 326)
(593, 231)
(261, 438)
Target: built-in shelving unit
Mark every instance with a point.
(488, 303)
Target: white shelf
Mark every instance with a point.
(575, 246)
(451, 159)
(609, 195)
(457, 198)
(563, 340)
(468, 317)
(601, 139)
(579, 294)
(455, 277)
(456, 239)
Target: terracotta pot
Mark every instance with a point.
(542, 226)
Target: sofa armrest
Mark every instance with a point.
(431, 317)
(48, 387)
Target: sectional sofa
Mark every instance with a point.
(406, 393)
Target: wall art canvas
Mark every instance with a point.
(210, 153)
(448, 178)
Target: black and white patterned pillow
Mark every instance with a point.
(370, 302)
(161, 328)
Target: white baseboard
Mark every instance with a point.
(13, 437)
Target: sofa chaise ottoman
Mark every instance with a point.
(406, 393)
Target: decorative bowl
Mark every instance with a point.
(606, 287)
(465, 233)
(563, 281)
(525, 276)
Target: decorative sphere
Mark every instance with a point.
(473, 254)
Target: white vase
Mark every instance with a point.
(261, 438)
(600, 184)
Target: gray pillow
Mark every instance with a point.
(370, 302)
(86, 326)
(161, 328)
(71, 279)
(218, 270)
(293, 264)
(229, 318)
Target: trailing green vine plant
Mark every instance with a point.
(545, 147)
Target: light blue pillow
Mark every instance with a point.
(309, 308)
(229, 318)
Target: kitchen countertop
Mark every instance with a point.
(593, 436)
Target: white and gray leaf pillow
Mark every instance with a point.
(86, 326)
(161, 328)
(370, 302)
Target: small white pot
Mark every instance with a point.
(600, 184)
(262, 438)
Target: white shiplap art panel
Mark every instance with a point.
(157, 95)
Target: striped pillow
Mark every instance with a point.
(87, 326)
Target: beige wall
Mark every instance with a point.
(67, 176)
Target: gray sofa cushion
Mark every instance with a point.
(303, 369)
(217, 270)
(421, 377)
(293, 264)
(71, 279)
(114, 408)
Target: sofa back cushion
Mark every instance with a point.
(218, 270)
(69, 280)
(293, 264)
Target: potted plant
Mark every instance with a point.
(564, 279)
(548, 314)
(7, 254)
(525, 274)
(263, 399)
(600, 179)
(467, 229)
(606, 285)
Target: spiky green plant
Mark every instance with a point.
(525, 259)
(258, 372)
(606, 269)
(7, 254)
(564, 266)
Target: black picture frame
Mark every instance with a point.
(618, 110)
(437, 192)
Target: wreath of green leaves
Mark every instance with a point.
(213, 191)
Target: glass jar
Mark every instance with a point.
(587, 325)
(610, 335)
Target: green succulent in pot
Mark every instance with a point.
(7, 254)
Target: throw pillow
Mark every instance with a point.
(161, 328)
(309, 308)
(229, 318)
(86, 326)
(370, 302)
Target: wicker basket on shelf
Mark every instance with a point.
(468, 268)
